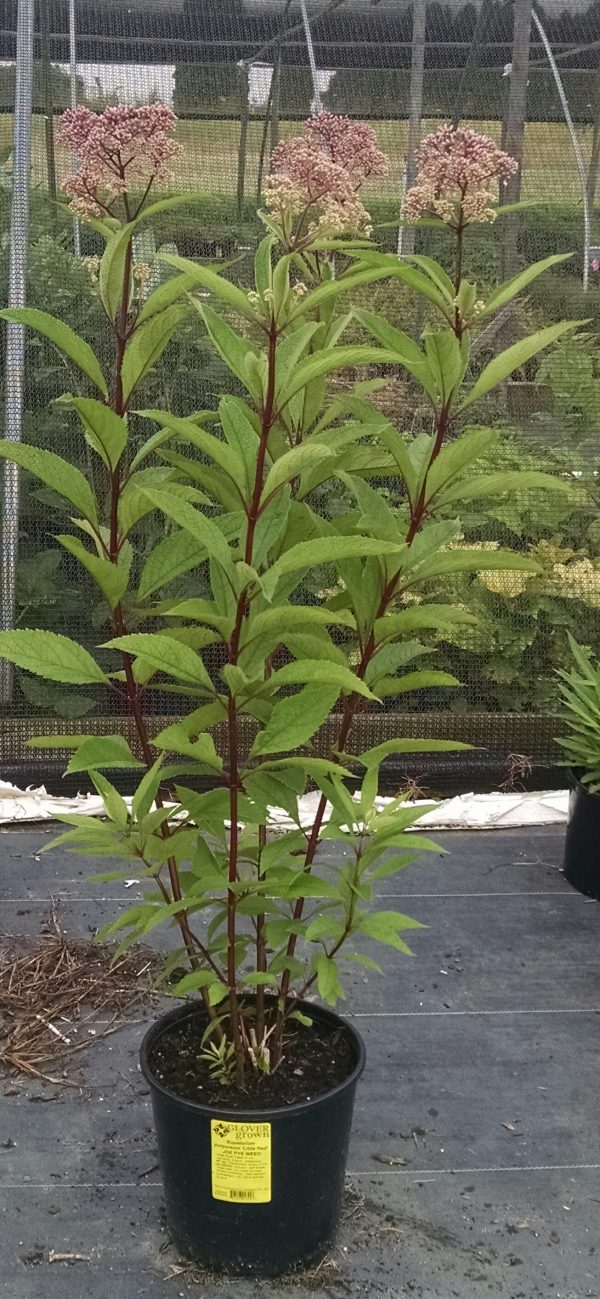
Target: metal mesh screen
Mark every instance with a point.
(238, 74)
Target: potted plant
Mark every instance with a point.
(252, 1082)
(580, 693)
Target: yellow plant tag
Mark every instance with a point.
(241, 1161)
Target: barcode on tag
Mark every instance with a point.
(242, 1195)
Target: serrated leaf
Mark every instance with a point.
(376, 755)
(170, 558)
(49, 655)
(207, 278)
(102, 751)
(294, 720)
(203, 529)
(514, 357)
(57, 473)
(115, 806)
(316, 671)
(112, 269)
(328, 980)
(387, 687)
(232, 349)
(384, 927)
(307, 554)
(113, 579)
(64, 338)
(293, 463)
(105, 431)
(165, 654)
(146, 791)
(148, 343)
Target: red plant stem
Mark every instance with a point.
(417, 517)
(193, 947)
(267, 417)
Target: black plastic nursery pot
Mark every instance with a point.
(254, 1192)
(582, 842)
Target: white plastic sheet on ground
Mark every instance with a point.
(464, 812)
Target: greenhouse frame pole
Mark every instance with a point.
(73, 80)
(15, 334)
(406, 234)
(515, 131)
(318, 104)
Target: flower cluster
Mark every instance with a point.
(318, 176)
(458, 173)
(118, 150)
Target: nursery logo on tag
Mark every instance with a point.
(241, 1162)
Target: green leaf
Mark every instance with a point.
(326, 362)
(203, 529)
(216, 448)
(146, 791)
(384, 926)
(373, 757)
(104, 431)
(293, 463)
(55, 741)
(521, 480)
(63, 337)
(49, 655)
(207, 278)
(263, 271)
(178, 738)
(165, 295)
(115, 806)
(295, 720)
(112, 269)
(420, 618)
(233, 349)
(470, 559)
(307, 554)
(55, 472)
(506, 292)
(113, 579)
(514, 357)
(102, 751)
(328, 980)
(170, 558)
(327, 292)
(408, 353)
(242, 441)
(192, 982)
(148, 343)
(386, 687)
(164, 654)
(457, 456)
(312, 671)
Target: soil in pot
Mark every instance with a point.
(315, 1061)
(253, 1177)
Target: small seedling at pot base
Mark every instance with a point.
(259, 922)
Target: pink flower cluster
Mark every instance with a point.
(458, 174)
(118, 150)
(318, 175)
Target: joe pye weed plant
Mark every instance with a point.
(236, 484)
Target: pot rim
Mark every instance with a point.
(250, 1115)
(578, 784)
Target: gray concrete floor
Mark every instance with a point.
(475, 1161)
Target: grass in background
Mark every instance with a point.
(210, 158)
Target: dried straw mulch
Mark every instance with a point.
(59, 995)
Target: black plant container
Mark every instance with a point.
(306, 1168)
(582, 843)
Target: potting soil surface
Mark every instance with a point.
(475, 1160)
